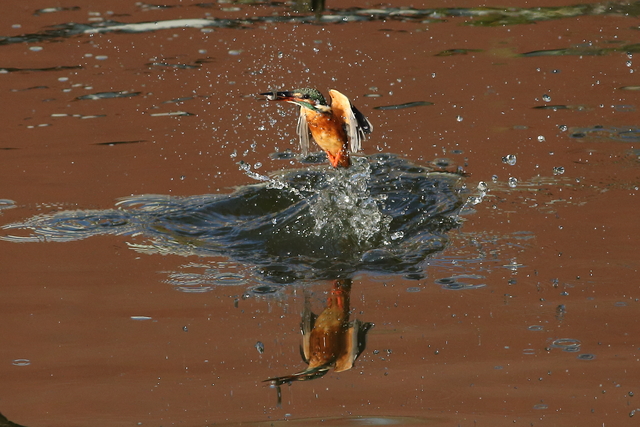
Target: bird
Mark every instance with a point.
(329, 340)
(337, 127)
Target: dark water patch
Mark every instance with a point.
(383, 215)
(30, 88)
(453, 52)
(111, 143)
(562, 107)
(479, 16)
(624, 134)
(56, 68)
(108, 95)
(585, 51)
(402, 106)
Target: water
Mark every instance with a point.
(384, 214)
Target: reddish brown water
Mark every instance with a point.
(550, 339)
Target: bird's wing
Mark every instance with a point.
(355, 341)
(306, 326)
(303, 133)
(356, 124)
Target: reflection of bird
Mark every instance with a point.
(337, 127)
(329, 340)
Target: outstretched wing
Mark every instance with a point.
(303, 133)
(356, 124)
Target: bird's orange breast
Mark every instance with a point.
(328, 132)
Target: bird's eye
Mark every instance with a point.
(306, 96)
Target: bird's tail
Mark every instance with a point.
(307, 374)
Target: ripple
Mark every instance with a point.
(586, 356)
(384, 214)
(566, 344)
(455, 283)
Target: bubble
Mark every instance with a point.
(541, 138)
(513, 182)
(558, 170)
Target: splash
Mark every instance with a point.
(384, 214)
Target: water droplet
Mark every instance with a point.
(21, 362)
(558, 170)
(563, 128)
(509, 159)
(540, 406)
(546, 98)
(513, 182)
(541, 138)
(101, 57)
(459, 118)
(536, 328)
(235, 52)
(397, 235)
(260, 347)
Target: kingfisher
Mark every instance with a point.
(337, 127)
(329, 340)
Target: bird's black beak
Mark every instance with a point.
(279, 96)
